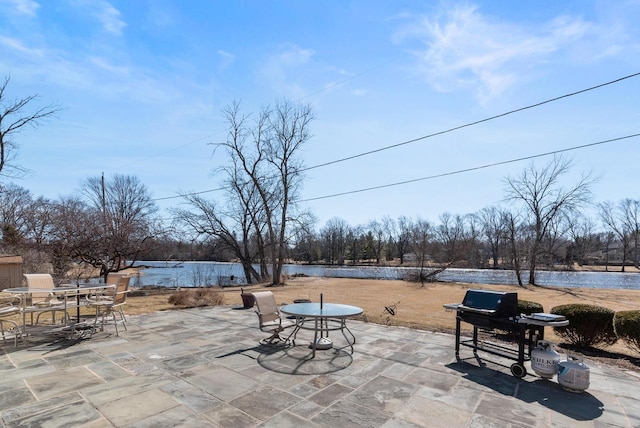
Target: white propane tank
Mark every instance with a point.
(544, 359)
(573, 374)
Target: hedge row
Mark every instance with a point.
(526, 307)
(591, 325)
(627, 327)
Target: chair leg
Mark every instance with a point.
(115, 321)
(95, 320)
(111, 313)
(124, 320)
(16, 331)
(119, 313)
(275, 339)
(99, 314)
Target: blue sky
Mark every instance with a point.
(142, 85)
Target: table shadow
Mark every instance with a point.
(297, 360)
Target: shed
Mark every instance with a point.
(10, 271)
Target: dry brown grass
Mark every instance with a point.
(196, 298)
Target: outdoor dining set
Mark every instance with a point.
(67, 310)
(318, 317)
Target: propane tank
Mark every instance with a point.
(544, 359)
(573, 374)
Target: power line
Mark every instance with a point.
(538, 104)
(189, 194)
(460, 171)
(473, 123)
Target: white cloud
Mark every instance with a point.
(20, 47)
(105, 65)
(226, 59)
(23, 7)
(111, 18)
(461, 48)
(278, 70)
(108, 16)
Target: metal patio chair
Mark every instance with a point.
(44, 300)
(9, 313)
(270, 320)
(112, 306)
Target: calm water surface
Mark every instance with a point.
(191, 274)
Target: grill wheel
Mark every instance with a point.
(518, 370)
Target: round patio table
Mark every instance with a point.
(326, 317)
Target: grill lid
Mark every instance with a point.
(490, 303)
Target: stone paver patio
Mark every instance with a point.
(204, 367)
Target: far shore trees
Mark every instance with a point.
(333, 241)
(544, 202)
(623, 220)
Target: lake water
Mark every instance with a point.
(191, 274)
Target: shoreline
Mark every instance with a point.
(577, 278)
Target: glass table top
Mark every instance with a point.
(331, 310)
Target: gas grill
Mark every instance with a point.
(493, 310)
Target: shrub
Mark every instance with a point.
(197, 298)
(627, 327)
(524, 307)
(589, 325)
(527, 307)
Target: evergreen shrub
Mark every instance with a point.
(527, 307)
(627, 328)
(589, 325)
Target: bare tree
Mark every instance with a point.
(450, 235)
(403, 236)
(516, 235)
(354, 244)
(14, 118)
(622, 221)
(389, 226)
(78, 231)
(39, 222)
(472, 247)
(583, 239)
(116, 223)
(333, 238)
(421, 235)
(15, 203)
(376, 230)
(231, 231)
(631, 212)
(307, 246)
(544, 201)
(494, 228)
(267, 155)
